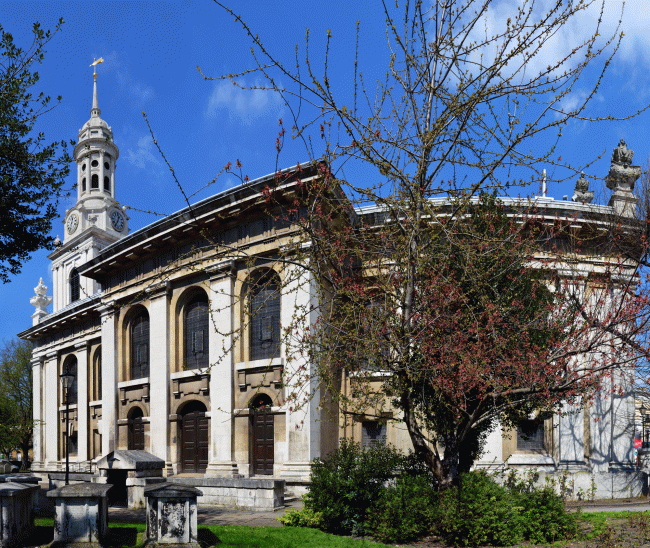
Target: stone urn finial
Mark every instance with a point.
(40, 301)
(621, 179)
(582, 192)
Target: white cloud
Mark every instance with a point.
(574, 32)
(245, 104)
(142, 153)
(138, 91)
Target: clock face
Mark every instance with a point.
(72, 223)
(117, 220)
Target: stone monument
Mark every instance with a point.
(621, 179)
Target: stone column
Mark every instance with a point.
(622, 436)
(37, 382)
(81, 351)
(571, 435)
(300, 296)
(159, 375)
(109, 378)
(51, 389)
(222, 286)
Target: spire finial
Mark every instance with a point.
(95, 110)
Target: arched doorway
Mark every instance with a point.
(136, 429)
(263, 434)
(194, 438)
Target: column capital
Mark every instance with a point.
(161, 289)
(52, 355)
(107, 308)
(221, 270)
(83, 345)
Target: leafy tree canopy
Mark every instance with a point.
(32, 172)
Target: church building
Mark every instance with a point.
(151, 323)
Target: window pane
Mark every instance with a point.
(530, 436)
(140, 347)
(196, 333)
(265, 320)
(374, 433)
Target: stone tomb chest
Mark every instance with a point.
(172, 515)
(16, 513)
(130, 472)
(80, 514)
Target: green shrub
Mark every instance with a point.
(345, 486)
(544, 517)
(406, 511)
(483, 512)
(480, 512)
(301, 518)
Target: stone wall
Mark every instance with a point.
(245, 493)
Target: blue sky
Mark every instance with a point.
(152, 48)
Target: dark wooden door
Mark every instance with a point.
(262, 442)
(136, 431)
(194, 434)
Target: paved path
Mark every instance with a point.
(206, 514)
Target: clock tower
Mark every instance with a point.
(96, 220)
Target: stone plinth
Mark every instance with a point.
(171, 516)
(258, 494)
(24, 479)
(16, 513)
(81, 515)
(131, 471)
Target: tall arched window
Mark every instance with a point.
(70, 367)
(140, 346)
(83, 185)
(94, 181)
(196, 333)
(107, 184)
(74, 285)
(97, 375)
(265, 317)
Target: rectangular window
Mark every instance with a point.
(530, 436)
(373, 433)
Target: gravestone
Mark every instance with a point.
(172, 515)
(81, 515)
(16, 513)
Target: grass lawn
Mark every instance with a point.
(129, 535)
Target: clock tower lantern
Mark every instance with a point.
(96, 220)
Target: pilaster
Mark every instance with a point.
(81, 351)
(51, 385)
(159, 374)
(302, 426)
(222, 286)
(108, 426)
(37, 402)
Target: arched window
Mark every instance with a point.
(97, 375)
(140, 346)
(107, 184)
(264, 309)
(83, 184)
(74, 285)
(196, 333)
(70, 367)
(94, 182)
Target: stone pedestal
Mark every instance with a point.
(80, 515)
(171, 516)
(16, 513)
